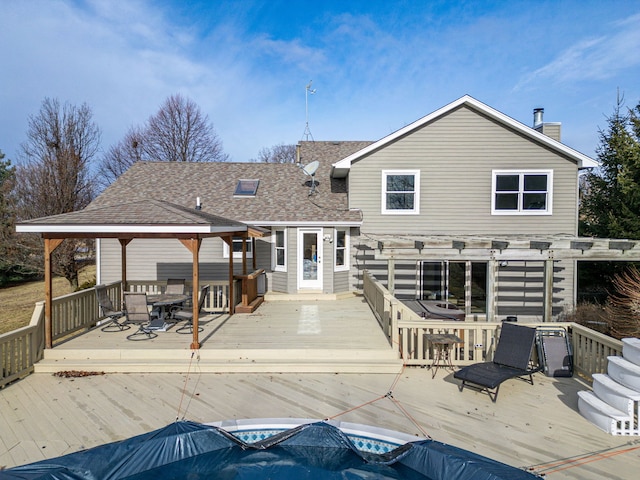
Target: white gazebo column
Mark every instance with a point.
(391, 275)
(547, 288)
(492, 289)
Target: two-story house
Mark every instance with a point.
(466, 205)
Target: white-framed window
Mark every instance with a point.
(522, 192)
(237, 248)
(341, 249)
(401, 192)
(279, 250)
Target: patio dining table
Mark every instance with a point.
(163, 300)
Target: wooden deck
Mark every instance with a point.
(312, 336)
(537, 426)
(289, 361)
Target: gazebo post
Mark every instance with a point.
(229, 241)
(123, 267)
(193, 244)
(50, 244)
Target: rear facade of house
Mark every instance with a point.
(464, 171)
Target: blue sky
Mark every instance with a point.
(375, 66)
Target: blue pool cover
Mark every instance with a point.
(315, 451)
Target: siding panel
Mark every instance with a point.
(456, 156)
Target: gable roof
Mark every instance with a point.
(340, 169)
(282, 197)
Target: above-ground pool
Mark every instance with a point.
(270, 449)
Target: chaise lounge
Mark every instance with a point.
(512, 359)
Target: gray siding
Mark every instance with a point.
(456, 156)
(159, 259)
(520, 289)
(340, 282)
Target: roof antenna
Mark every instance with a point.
(310, 170)
(308, 91)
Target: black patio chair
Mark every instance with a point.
(512, 359)
(136, 312)
(115, 317)
(187, 313)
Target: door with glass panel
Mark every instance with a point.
(310, 258)
(462, 283)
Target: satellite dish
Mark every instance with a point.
(311, 168)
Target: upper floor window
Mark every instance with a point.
(522, 192)
(280, 250)
(237, 248)
(341, 248)
(401, 192)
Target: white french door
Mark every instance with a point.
(310, 258)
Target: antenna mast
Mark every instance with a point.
(308, 91)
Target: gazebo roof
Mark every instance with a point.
(139, 218)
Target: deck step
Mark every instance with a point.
(631, 350)
(624, 372)
(615, 394)
(225, 354)
(196, 365)
(601, 414)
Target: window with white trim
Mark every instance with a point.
(237, 248)
(280, 250)
(341, 250)
(401, 192)
(526, 192)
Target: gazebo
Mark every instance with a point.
(140, 219)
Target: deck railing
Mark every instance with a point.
(407, 331)
(72, 315)
(22, 348)
(218, 293)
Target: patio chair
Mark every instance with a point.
(187, 313)
(115, 317)
(136, 312)
(175, 286)
(512, 359)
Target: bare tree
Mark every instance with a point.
(280, 153)
(623, 308)
(178, 132)
(54, 174)
(121, 156)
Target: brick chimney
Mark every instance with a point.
(549, 129)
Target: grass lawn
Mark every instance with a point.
(17, 303)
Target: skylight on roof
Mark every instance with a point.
(246, 188)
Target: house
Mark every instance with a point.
(466, 205)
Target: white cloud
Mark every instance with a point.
(592, 59)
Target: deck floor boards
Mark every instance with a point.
(44, 416)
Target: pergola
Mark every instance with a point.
(496, 249)
(143, 219)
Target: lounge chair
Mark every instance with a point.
(137, 313)
(511, 360)
(187, 313)
(115, 317)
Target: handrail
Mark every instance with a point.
(407, 330)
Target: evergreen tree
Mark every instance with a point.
(610, 199)
(610, 203)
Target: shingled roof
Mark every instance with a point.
(282, 196)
